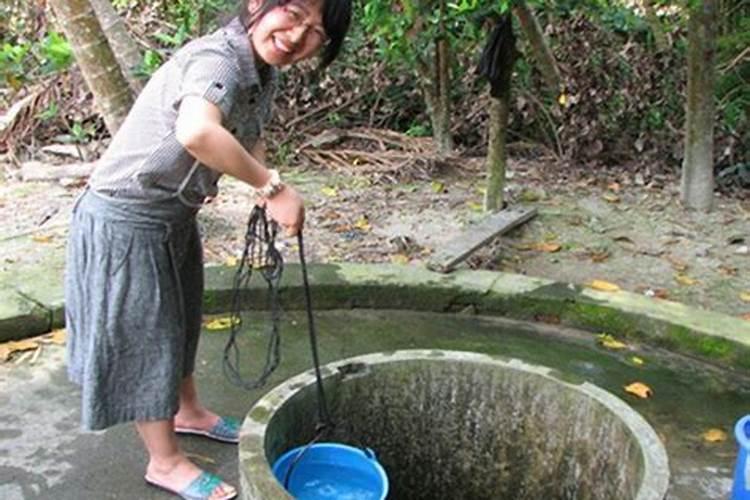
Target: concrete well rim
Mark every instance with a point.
(253, 461)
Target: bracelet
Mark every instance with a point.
(272, 187)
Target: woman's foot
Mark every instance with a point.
(182, 477)
(205, 423)
(196, 418)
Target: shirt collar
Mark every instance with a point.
(236, 35)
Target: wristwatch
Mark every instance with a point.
(272, 187)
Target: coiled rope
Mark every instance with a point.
(260, 253)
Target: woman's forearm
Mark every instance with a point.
(216, 148)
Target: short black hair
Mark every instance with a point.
(337, 16)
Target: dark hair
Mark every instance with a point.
(337, 15)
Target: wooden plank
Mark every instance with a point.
(476, 236)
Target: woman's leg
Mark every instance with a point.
(192, 414)
(168, 466)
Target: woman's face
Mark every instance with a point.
(289, 33)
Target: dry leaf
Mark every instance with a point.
(42, 238)
(637, 361)
(548, 247)
(400, 258)
(746, 316)
(728, 270)
(222, 323)
(363, 224)
(714, 436)
(603, 286)
(599, 256)
(475, 207)
(745, 296)
(437, 187)
(614, 186)
(686, 280)
(611, 198)
(562, 100)
(55, 337)
(8, 348)
(608, 341)
(201, 458)
(231, 261)
(329, 191)
(677, 264)
(639, 389)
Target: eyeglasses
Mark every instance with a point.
(298, 16)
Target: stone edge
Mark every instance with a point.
(708, 335)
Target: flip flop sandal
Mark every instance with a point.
(200, 489)
(226, 430)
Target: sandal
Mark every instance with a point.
(200, 489)
(226, 430)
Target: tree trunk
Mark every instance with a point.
(496, 64)
(441, 108)
(539, 46)
(496, 153)
(655, 25)
(96, 60)
(124, 47)
(697, 184)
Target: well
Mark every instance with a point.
(459, 425)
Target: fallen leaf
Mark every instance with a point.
(677, 264)
(746, 316)
(714, 436)
(329, 191)
(639, 389)
(614, 186)
(599, 256)
(8, 348)
(686, 280)
(231, 261)
(611, 198)
(400, 258)
(363, 224)
(551, 319)
(201, 458)
(608, 341)
(55, 337)
(474, 206)
(548, 247)
(603, 286)
(745, 296)
(562, 100)
(38, 238)
(221, 323)
(659, 293)
(637, 361)
(437, 187)
(728, 270)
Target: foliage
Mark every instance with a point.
(22, 62)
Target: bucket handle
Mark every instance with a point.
(369, 453)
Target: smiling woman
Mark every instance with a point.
(134, 276)
(302, 24)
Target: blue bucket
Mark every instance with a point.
(332, 471)
(741, 488)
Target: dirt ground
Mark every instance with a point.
(625, 231)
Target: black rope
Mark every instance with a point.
(325, 424)
(260, 253)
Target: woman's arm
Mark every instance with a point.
(200, 131)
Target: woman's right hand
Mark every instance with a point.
(288, 209)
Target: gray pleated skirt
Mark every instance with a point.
(133, 290)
